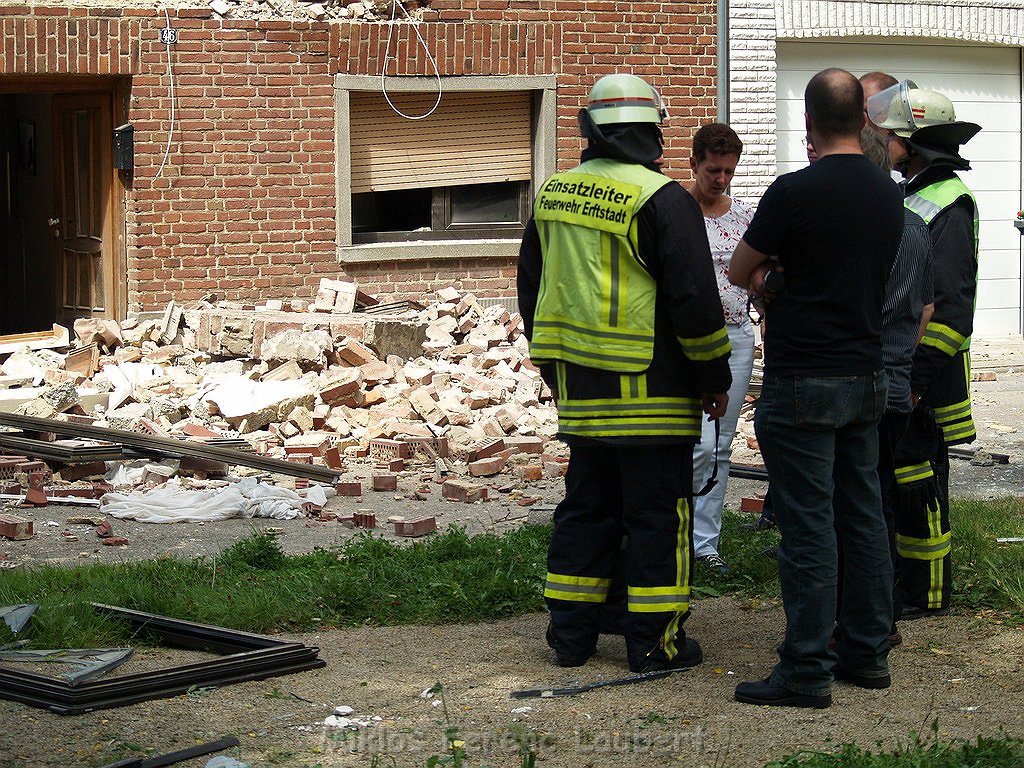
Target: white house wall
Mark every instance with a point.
(972, 52)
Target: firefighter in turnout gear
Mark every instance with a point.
(620, 304)
(924, 139)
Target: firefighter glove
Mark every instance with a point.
(918, 487)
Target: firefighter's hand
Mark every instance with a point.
(715, 404)
(920, 494)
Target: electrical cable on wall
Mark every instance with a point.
(387, 57)
(170, 75)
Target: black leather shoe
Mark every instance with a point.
(875, 682)
(766, 693)
(911, 612)
(690, 655)
(565, 659)
(761, 524)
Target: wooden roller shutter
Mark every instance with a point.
(472, 138)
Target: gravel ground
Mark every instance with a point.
(963, 670)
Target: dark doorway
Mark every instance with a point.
(61, 203)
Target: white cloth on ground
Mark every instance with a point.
(170, 503)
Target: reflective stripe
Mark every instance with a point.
(930, 201)
(684, 544)
(595, 304)
(926, 209)
(668, 637)
(955, 421)
(633, 387)
(581, 589)
(959, 433)
(914, 472)
(592, 332)
(613, 288)
(935, 580)
(658, 599)
(560, 338)
(668, 406)
(610, 417)
(934, 548)
(948, 413)
(709, 347)
(623, 102)
(675, 598)
(630, 428)
(943, 338)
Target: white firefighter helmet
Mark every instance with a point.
(904, 108)
(625, 98)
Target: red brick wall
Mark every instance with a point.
(671, 44)
(245, 203)
(244, 206)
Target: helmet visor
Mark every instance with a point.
(891, 108)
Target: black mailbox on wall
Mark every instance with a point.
(124, 147)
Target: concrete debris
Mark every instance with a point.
(444, 388)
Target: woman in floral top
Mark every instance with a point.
(716, 151)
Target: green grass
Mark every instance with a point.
(986, 752)
(453, 577)
(754, 575)
(254, 586)
(450, 577)
(986, 574)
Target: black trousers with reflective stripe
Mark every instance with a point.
(925, 583)
(611, 491)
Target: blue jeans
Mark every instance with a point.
(819, 439)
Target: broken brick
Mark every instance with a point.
(16, 527)
(753, 504)
(485, 449)
(463, 490)
(419, 527)
(555, 466)
(383, 449)
(364, 518)
(35, 493)
(341, 386)
(531, 472)
(354, 353)
(115, 541)
(385, 482)
(200, 467)
(487, 467)
(332, 458)
(343, 488)
(525, 443)
(74, 472)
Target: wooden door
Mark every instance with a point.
(83, 222)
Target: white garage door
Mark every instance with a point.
(984, 83)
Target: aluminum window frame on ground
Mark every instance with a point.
(246, 656)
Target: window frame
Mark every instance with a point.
(449, 243)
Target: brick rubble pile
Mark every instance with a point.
(308, 382)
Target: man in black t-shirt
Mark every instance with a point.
(833, 228)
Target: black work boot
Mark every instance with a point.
(688, 655)
(565, 656)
